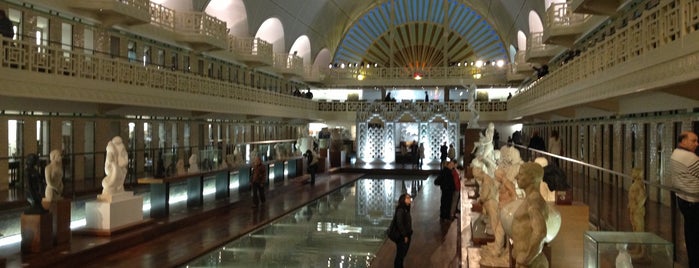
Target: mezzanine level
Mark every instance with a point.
(654, 54)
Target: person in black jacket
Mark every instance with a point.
(537, 142)
(446, 184)
(403, 229)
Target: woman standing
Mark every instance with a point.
(555, 146)
(402, 229)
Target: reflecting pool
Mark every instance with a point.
(344, 228)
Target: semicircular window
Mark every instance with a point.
(421, 33)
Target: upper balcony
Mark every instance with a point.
(201, 31)
(596, 7)
(312, 74)
(538, 51)
(652, 53)
(429, 76)
(288, 64)
(253, 52)
(564, 27)
(113, 12)
(520, 69)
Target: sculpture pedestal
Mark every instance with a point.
(61, 219)
(36, 232)
(104, 218)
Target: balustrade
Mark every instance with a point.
(650, 31)
(162, 16)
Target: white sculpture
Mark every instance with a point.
(193, 164)
(484, 151)
(472, 93)
(54, 177)
(529, 223)
(115, 168)
(548, 195)
(623, 259)
(637, 201)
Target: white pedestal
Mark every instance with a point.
(123, 210)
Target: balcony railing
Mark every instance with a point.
(354, 106)
(647, 35)
(50, 60)
(162, 16)
(288, 64)
(559, 15)
(201, 30)
(251, 49)
(411, 73)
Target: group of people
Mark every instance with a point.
(447, 152)
(415, 155)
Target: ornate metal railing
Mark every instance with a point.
(353, 106)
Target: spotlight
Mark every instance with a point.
(417, 76)
(330, 66)
(500, 63)
(479, 64)
(342, 65)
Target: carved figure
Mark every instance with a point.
(623, 259)
(54, 177)
(193, 164)
(179, 167)
(115, 168)
(34, 179)
(529, 224)
(637, 201)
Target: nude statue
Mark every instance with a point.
(506, 191)
(529, 225)
(53, 173)
(637, 201)
(193, 164)
(115, 168)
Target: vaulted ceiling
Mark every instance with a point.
(400, 32)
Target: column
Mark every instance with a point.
(79, 147)
(4, 150)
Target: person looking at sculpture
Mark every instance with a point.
(414, 154)
(312, 160)
(536, 142)
(685, 177)
(259, 175)
(555, 147)
(443, 153)
(401, 229)
(529, 224)
(53, 173)
(421, 154)
(446, 184)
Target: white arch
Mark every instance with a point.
(535, 25)
(272, 31)
(233, 12)
(322, 59)
(521, 41)
(302, 48)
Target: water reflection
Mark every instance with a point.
(342, 229)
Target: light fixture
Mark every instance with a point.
(500, 63)
(342, 65)
(479, 64)
(360, 77)
(477, 76)
(417, 76)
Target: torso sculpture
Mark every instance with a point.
(54, 177)
(115, 168)
(529, 224)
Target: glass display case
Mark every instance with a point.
(626, 249)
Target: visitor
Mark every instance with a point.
(684, 169)
(259, 176)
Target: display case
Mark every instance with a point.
(618, 249)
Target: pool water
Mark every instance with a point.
(344, 228)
